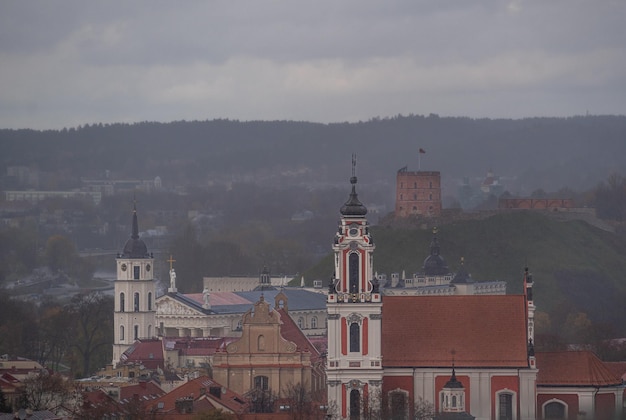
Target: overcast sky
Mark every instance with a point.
(65, 63)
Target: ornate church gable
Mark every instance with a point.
(261, 332)
(169, 306)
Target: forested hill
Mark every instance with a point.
(547, 153)
(577, 268)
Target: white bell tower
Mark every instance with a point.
(354, 366)
(135, 294)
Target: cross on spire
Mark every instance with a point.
(171, 261)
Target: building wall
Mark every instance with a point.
(418, 193)
(535, 203)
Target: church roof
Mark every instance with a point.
(290, 331)
(483, 331)
(574, 368)
(240, 302)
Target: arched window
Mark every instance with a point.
(121, 333)
(136, 335)
(505, 406)
(261, 343)
(314, 322)
(355, 337)
(121, 302)
(300, 322)
(261, 382)
(430, 197)
(555, 409)
(136, 302)
(354, 272)
(149, 301)
(398, 404)
(149, 331)
(355, 404)
(454, 401)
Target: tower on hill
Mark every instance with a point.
(418, 193)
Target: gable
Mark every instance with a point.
(477, 331)
(166, 305)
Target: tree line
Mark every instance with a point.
(75, 338)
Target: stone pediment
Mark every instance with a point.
(169, 306)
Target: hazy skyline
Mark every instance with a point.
(67, 63)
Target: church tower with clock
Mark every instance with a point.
(354, 363)
(135, 289)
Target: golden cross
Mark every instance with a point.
(171, 261)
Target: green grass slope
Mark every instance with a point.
(576, 267)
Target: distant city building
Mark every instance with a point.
(35, 196)
(418, 193)
(536, 203)
(437, 279)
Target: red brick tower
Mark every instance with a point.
(418, 193)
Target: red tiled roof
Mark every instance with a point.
(148, 352)
(290, 331)
(199, 390)
(618, 368)
(574, 368)
(483, 331)
(143, 389)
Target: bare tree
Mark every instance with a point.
(46, 391)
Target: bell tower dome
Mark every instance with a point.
(354, 305)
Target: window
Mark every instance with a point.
(136, 335)
(355, 404)
(398, 402)
(415, 185)
(149, 301)
(354, 272)
(136, 302)
(430, 197)
(555, 410)
(505, 406)
(136, 271)
(121, 302)
(314, 322)
(149, 331)
(121, 333)
(301, 323)
(261, 382)
(414, 196)
(355, 337)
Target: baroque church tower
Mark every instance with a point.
(354, 365)
(135, 293)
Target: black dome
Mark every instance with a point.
(135, 247)
(462, 276)
(435, 264)
(353, 206)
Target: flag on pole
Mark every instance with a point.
(422, 150)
